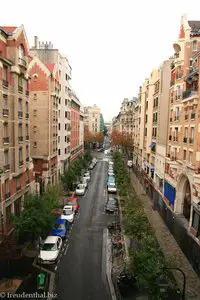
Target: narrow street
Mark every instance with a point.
(81, 272)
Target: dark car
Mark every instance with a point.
(60, 228)
(111, 205)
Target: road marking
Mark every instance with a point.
(56, 267)
(66, 250)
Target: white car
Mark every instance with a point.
(80, 190)
(111, 188)
(68, 213)
(129, 163)
(110, 163)
(85, 182)
(50, 250)
(87, 176)
(111, 173)
(94, 160)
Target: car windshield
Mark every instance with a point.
(80, 187)
(59, 227)
(72, 202)
(67, 212)
(49, 247)
(111, 185)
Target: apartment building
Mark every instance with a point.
(92, 118)
(149, 146)
(136, 131)
(76, 147)
(44, 99)
(182, 178)
(46, 52)
(16, 168)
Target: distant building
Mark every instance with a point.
(92, 118)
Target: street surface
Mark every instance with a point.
(81, 270)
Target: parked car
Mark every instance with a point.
(111, 188)
(129, 163)
(60, 228)
(111, 173)
(68, 213)
(50, 250)
(91, 166)
(87, 175)
(100, 150)
(112, 200)
(80, 190)
(85, 182)
(111, 179)
(110, 163)
(94, 160)
(74, 202)
(110, 207)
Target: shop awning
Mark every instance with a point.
(152, 145)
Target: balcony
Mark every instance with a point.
(6, 140)
(22, 62)
(27, 159)
(5, 112)
(186, 117)
(7, 167)
(178, 97)
(191, 140)
(20, 114)
(185, 140)
(170, 119)
(5, 83)
(18, 188)
(20, 88)
(175, 139)
(27, 93)
(27, 137)
(168, 155)
(27, 115)
(20, 138)
(176, 118)
(170, 137)
(189, 95)
(21, 163)
(7, 195)
(192, 116)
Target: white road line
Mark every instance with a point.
(56, 267)
(66, 250)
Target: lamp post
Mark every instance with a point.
(184, 280)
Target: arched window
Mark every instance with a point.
(21, 51)
(22, 60)
(194, 46)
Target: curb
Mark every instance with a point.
(51, 281)
(108, 254)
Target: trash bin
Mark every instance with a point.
(41, 278)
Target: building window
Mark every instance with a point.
(20, 81)
(65, 114)
(58, 126)
(65, 126)
(21, 52)
(20, 105)
(27, 151)
(194, 46)
(65, 101)
(20, 156)
(5, 73)
(65, 150)
(190, 157)
(6, 160)
(20, 130)
(35, 144)
(178, 76)
(65, 139)
(178, 92)
(58, 139)
(184, 154)
(7, 186)
(58, 151)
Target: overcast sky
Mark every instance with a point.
(112, 45)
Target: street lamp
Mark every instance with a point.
(184, 279)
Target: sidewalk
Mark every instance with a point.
(169, 246)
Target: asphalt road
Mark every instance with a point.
(81, 271)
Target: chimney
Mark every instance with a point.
(35, 42)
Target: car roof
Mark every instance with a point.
(51, 239)
(60, 221)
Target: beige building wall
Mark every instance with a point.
(92, 118)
